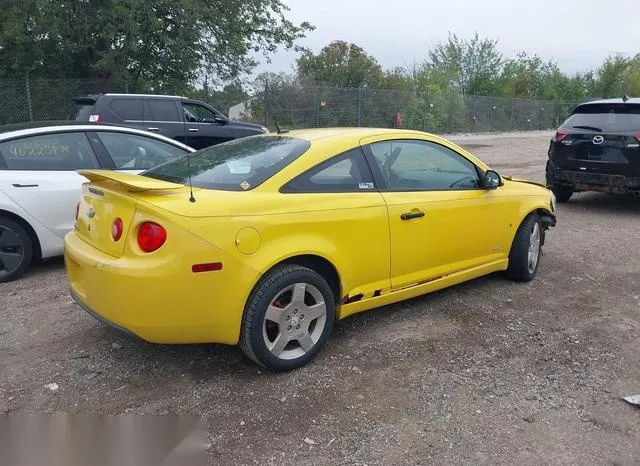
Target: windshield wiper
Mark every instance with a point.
(591, 128)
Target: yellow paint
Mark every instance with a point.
(463, 235)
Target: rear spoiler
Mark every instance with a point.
(85, 100)
(134, 183)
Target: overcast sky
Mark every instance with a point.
(577, 34)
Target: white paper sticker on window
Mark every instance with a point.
(365, 185)
(239, 167)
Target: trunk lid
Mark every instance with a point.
(109, 196)
(597, 152)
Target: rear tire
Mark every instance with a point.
(16, 250)
(288, 318)
(562, 193)
(524, 257)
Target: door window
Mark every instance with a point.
(128, 109)
(58, 151)
(162, 110)
(413, 165)
(195, 113)
(347, 172)
(134, 152)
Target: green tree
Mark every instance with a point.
(610, 76)
(152, 44)
(474, 64)
(341, 64)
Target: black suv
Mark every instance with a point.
(597, 149)
(189, 121)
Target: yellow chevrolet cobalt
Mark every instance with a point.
(265, 241)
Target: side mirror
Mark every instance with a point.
(220, 120)
(492, 179)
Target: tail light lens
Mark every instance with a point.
(560, 135)
(151, 236)
(77, 210)
(95, 118)
(116, 229)
(637, 138)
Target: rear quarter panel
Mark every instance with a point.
(351, 231)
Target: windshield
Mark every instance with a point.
(237, 165)
(614, 117)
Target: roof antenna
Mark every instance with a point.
(625, 98)
(280, 131)
(184, 128)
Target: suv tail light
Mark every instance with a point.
(116, 229)
(560, 135)
(637, 138)
(151, 236)
(95, 118)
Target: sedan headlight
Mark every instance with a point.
(264, 130)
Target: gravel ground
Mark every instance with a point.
(487, 372)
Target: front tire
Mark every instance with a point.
(288, 318)
(562, 193)
(16, 250)
(524, 257)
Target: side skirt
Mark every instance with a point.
(419, 289)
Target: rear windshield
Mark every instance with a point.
(83, 111)
(614, 117)
(237, 165)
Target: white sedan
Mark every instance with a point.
(39, 186)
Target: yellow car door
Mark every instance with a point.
(442, 219)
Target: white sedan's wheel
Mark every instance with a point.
(16, 250)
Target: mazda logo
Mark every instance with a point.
(598, 139)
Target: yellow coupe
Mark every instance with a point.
(266, 240)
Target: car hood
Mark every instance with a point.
(521, 180)
(244, 125)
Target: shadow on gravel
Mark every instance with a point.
(603, 202)
(116, 352)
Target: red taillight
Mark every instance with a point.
(560, 135)
(637, 137)
(116, 229)
(208, 267)
(95, 118)
(77, 210)
(151, 236)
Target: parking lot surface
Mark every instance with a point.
(487, 372)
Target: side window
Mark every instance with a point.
(161, 110)
(347, 172)
(195, 113)
(412, 165)
(62, 151)
(128, 109)
(133, 152)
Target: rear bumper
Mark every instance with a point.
(160, 301)
(589, 181)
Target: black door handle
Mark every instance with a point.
(410, 215)
(18, 185)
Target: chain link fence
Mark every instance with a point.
(313, 106)
(438, 112)
(46, 99)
